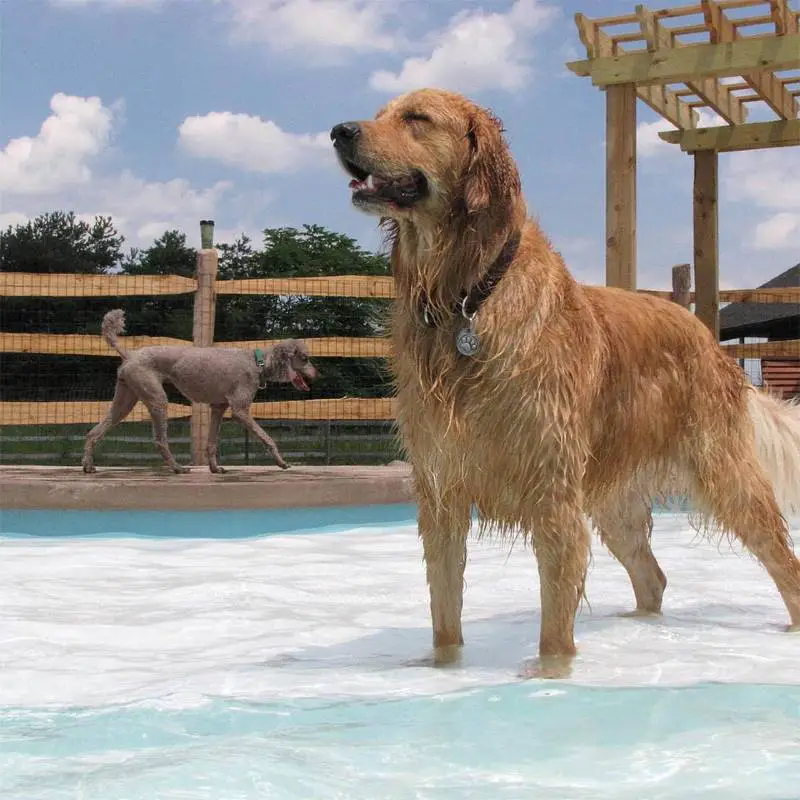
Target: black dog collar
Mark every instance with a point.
(471, 301)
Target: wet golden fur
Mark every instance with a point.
(582, 401)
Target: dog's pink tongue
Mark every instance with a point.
(298, 382)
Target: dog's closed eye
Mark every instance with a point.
(416, 116)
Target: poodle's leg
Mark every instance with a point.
(122, 405)
(217, 412)
(243, 416)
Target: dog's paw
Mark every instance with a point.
(181, 470)
(218, 470)
(284, 465)
(547, 668)
(440, 658)
(639, 613)
(89, 468)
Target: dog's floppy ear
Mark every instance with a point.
(491, 174)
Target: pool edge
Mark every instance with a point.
(133, 488)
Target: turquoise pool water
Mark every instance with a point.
(222, 524)
(513, 741)
(235, 655)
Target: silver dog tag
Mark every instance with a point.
(467, 341)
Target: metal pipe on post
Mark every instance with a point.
(205, 301)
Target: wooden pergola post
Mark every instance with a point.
(205, 302)
(706, 239)
(675, 76)
(621, 186)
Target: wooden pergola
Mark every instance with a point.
(715, 54)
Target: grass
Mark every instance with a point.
(131, 444)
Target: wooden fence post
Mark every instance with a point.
(205, 301)
(682, 285)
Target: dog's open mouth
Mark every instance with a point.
(399, 191)
(298, 381)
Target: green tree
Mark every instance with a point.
(54, 242)
(311, 251)
(161, 315)
(60, 242)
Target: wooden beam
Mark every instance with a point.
(621, 186)
(784, 18)
(379, 286)
(706, 240)
(665, 102)
(68, 284)
(86, 413)
(41, 284)
(726, 138)
(78, 344)
(693, 61)
(782, 294)
(716, 95)
(789, 348)
(765, 84)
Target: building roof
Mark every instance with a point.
(774, 320)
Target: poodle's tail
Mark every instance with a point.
(777, 429)
(113, 325)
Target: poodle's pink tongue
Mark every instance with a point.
(298, 382)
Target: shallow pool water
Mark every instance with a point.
(277, 659)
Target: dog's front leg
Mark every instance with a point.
(562, 546)
(217, 412)
(444, 531)
(158, 414)
(251, 425)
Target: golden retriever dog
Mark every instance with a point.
(540, 402)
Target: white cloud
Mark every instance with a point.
(251, 143)
(358, 26)
(108, 3)
(769, 180)
(779, 232)
(145, 209)
(476, 51)
(42, 173)
(141, 210)
(650, 144)
(12, 218)
(318, 29)
(78, 130)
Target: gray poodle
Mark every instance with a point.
(222, 377)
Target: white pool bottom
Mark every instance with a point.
(135, 668)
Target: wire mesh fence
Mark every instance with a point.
(58, 373)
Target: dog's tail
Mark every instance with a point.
(112, 326)
(777, 428)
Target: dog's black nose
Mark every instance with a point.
(345, 132)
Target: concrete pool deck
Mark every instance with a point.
(41, 487)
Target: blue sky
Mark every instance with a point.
(163, 112)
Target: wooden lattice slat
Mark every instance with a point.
(759, 21)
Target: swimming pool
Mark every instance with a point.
(271, 654)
